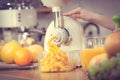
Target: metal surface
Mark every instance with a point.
(17, 18)
(91, 29)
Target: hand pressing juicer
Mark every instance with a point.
(68, 31)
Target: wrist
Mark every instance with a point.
(95, 17)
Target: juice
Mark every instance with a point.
(88, 53)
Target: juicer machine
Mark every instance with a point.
(67, 30)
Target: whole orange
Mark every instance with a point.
(23, 57)
(8, 50)
(97, 59)
(0, 52)
(35, 50)
(87, 54)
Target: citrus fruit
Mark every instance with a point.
(35, 50)
(8, 50)
(112, 44)
(0, 52)
(23, 57)
(97, 59)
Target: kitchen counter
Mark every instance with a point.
(34, 74)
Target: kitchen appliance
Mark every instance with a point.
(17, 20)
(68, 31)
(14, 17)
(11, 18)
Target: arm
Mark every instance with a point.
(102, 20)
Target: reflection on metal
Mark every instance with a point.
(89, 27)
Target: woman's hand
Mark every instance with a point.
(81, 13)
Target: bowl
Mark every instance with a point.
(58, 62)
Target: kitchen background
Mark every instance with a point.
(106, 7)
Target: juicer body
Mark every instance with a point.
(75, 31)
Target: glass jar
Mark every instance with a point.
(91, 46)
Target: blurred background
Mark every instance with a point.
(45, 15)
(107, 7)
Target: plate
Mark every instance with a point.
(5, 66)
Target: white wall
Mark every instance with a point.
(107, 7)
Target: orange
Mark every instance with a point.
(0, 52)
(87, 54)
(23, 57)
(35, 50)
(97, 59)
(8, 50)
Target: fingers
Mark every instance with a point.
(75, 11)
(76, 16)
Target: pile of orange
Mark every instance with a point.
(8, 50)
(35, 50)
(13, 52)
